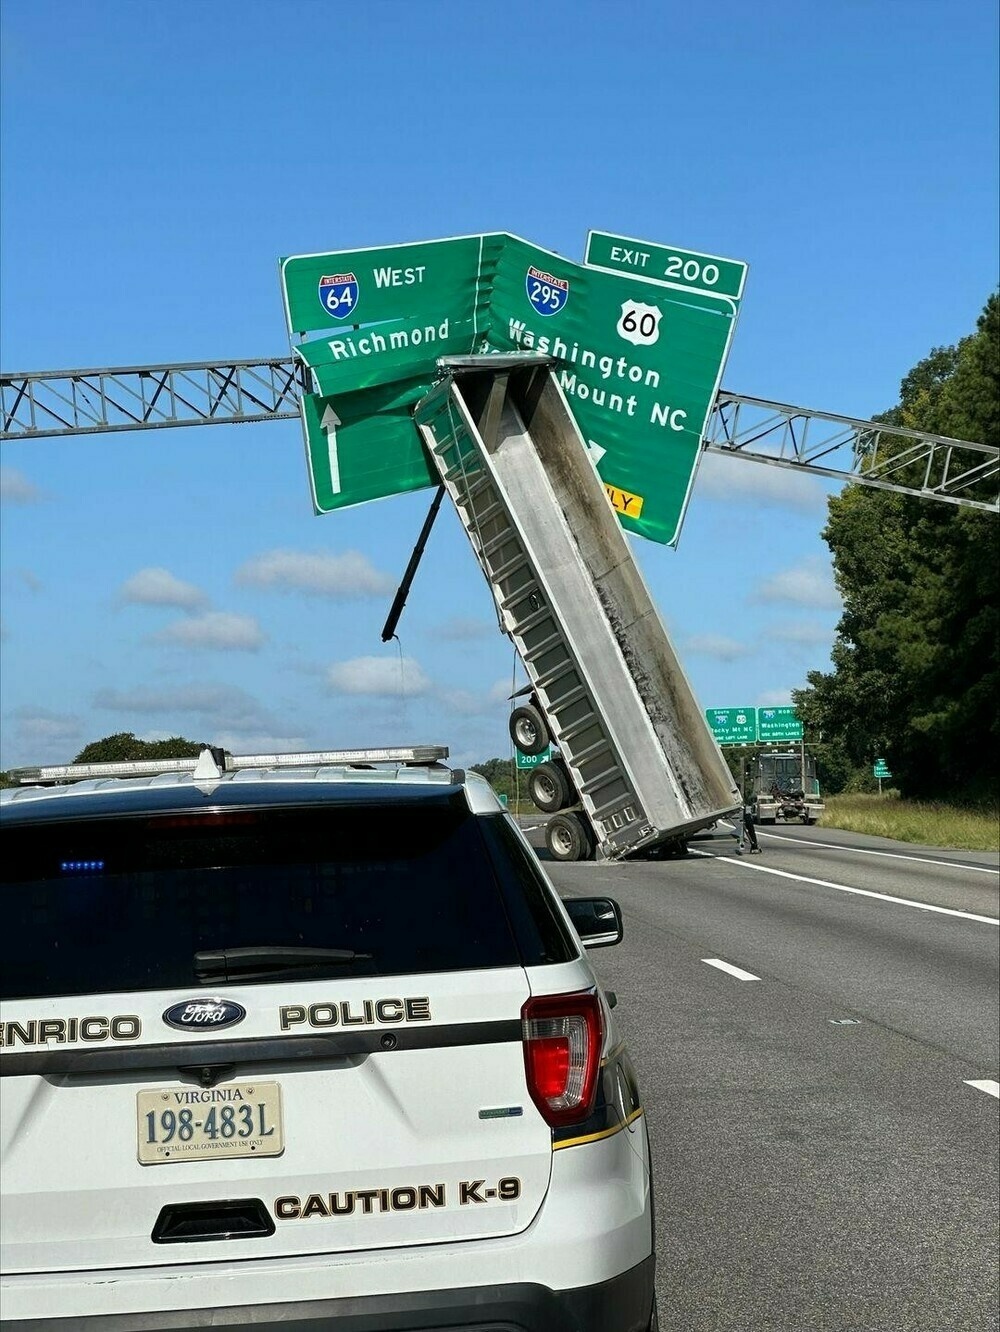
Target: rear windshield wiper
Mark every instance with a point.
(267, 960)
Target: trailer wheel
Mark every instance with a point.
(549, 787)
(568, 838)
(528, 730)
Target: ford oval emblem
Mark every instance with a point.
(204, 1014)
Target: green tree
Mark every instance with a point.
(501, 775)
(915, 674)
(123, 746)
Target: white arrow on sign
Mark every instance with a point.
(595, 451)
(329, 422)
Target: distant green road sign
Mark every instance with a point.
(880, 769)
(733, 726)
(666, 264)
(532, 760)
(775, 725)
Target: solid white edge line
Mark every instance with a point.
(738, 972)
(862, 850)
(844, 888)
(892, 855)
(986, 1085)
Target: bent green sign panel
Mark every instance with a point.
(638, 362)
(638, 366)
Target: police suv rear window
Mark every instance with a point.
(119, 904)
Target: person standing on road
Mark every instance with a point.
(749, 831)
(746, 831)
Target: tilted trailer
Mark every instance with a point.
(638, 768)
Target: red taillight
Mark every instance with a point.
(562, 1035)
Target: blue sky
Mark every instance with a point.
(157, 159)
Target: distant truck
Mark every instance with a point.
(782, 787)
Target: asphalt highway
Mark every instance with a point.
(817, 1035)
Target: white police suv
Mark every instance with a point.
(307, 1041)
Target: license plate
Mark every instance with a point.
(195, 1124)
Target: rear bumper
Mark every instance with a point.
(623, 1304)
(586, 1255)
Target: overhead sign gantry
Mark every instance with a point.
(639, 334)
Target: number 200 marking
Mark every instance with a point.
(690, 270)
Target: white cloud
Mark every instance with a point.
(717, 646)
(159, 587)
(805, 632)
(808, 583)
(739, 480)
(214, 630)
(382, 676)
(492, 702)
(248, 741)
(15, 488)
(36, 735)
(501, 690)
(222, 714)
(460, 629)
(347, 577)
(775, 698)
(201, 700)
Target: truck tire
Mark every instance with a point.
(528, 730)
(549, 787)
(568, 838)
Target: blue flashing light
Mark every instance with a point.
(81, 866)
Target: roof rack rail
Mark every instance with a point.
(213, 762)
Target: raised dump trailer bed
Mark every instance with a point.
(644, 766)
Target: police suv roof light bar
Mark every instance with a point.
(222, 761)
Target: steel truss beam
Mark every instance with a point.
(144, 397)
(888, 457)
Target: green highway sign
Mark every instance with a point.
(639, 365)
(880, 769)
(363, 446)
(775, 725)
(638, 362)
(378, 319)
(422, 282)
(666, 264)
(532, 760)
(733, 726)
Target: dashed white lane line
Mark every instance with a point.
(987, 1085)
(845, 888)
(738, 972)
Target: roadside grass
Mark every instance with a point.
(931, 824)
